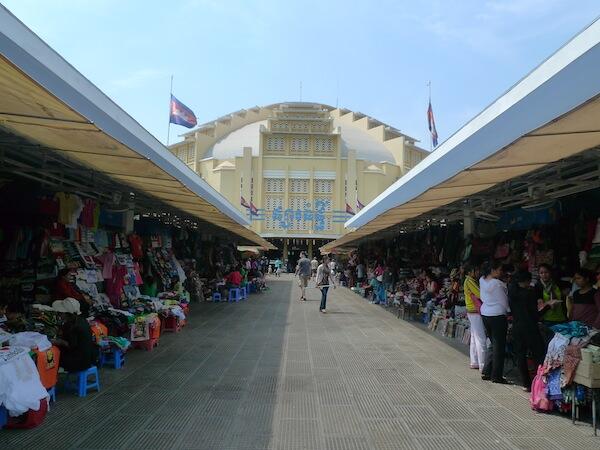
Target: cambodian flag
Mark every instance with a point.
(431, 123)
(359, 205)
(349, 209)
(253, 209)
(181, 114)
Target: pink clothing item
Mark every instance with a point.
(108, 260)
(87, 214)
(138, 275)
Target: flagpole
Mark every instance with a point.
(430, 135)
(170, 95)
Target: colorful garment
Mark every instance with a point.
(471, 289)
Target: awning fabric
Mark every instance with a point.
(45, 100)
(551, 114)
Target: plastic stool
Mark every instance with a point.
(234, 295)
(216, 297)
(52, 394)
(115, 357)
(83, 383)
(3, 416)
(147, 345)
(251, 288)
(243, 293)
(171, 323)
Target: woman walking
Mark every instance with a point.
(473, 304)
(494, 309)
(324, 281)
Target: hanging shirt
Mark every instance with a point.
(136, 246)
(69, 208)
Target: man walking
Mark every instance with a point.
(303, 270)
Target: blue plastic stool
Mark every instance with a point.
(3, 416)
(83, 383)
(243, 293)
(216, 297)
(234, 295)
(52, 394)
(115, 357)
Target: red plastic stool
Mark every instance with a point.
(171, 323)
(30, 419)
(147, 345)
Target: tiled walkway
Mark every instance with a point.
(275, 373)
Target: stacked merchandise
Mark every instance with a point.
(68, 254)
(567, 351)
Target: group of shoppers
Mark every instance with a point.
(492, 295)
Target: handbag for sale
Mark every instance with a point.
(539, 398)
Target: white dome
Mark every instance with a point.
(353, 138)
(232, 144)
(366, 146)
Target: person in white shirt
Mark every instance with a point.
(313, 267)
(494, 309)
(360, 272)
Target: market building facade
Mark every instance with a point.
(298, 170)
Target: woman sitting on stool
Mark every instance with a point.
(78, 351)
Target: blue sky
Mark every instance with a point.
(375, 57)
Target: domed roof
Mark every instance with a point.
(232, 144)
(367, 147)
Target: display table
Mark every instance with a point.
(20, 386)
(588, 375)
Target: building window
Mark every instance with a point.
(324, 145)
(300, 126)
(299, 145)
(274, 185)
(298, 186)
(279, 126)
(323, 187)
(273, 202)
(275, 144)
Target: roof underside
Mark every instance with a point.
(46, 101)
(549, 116)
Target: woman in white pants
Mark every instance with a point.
(473, 303)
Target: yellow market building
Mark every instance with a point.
(298, 170)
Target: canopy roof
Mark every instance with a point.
(551, 114)
(46, 101)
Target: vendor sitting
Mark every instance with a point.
(65, 288)
(234, 278)
(77, 347)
